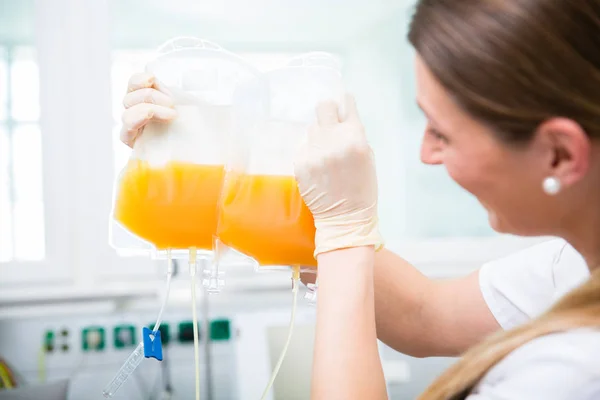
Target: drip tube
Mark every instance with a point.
(195, 321)
(295, 279)
(136, 357)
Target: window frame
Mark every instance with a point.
(73, 53)
(53, 267)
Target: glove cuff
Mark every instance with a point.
(342, 234)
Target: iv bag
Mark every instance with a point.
(166, 196)
(261, 213)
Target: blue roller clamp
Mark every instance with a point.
(152, 344)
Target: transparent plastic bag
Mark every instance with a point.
(262, 214)
(166, 197)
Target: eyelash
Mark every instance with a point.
(437, 135)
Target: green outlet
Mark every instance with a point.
(124, 336)
(49, 341)
(164, 332)
(220, 329)
(93, 338)
(186, 332)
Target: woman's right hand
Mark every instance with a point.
(146, 100)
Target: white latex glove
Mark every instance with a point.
(146, 100)
(335, 170)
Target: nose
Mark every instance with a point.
(431, 154)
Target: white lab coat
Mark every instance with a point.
(562, 366)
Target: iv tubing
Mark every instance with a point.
(295, 279)
(195, 320)
(5, 377)
(164, 304)
(42, 365)
(207, 353)
(136, 357)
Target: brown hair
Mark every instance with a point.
(512, 64)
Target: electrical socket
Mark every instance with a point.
(93, 338)
(124, 336)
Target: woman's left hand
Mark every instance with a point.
(336, 175)
(335, 170)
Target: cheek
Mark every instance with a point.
(470, 174)
(491, 183)
(506, 189)
(478, 179)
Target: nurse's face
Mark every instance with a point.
(505, 179)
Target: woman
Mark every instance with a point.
(511, 91)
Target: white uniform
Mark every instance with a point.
(559, 366)
(523, 285)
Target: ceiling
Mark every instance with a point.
(262, 24)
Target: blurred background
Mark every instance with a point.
(71, 308)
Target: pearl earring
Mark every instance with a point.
(551, 186)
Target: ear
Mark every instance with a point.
(567, 149)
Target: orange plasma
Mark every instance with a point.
(173, 207)
(264, 217)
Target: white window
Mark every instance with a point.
(55, 149)
(34, 224)
(22, 228)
